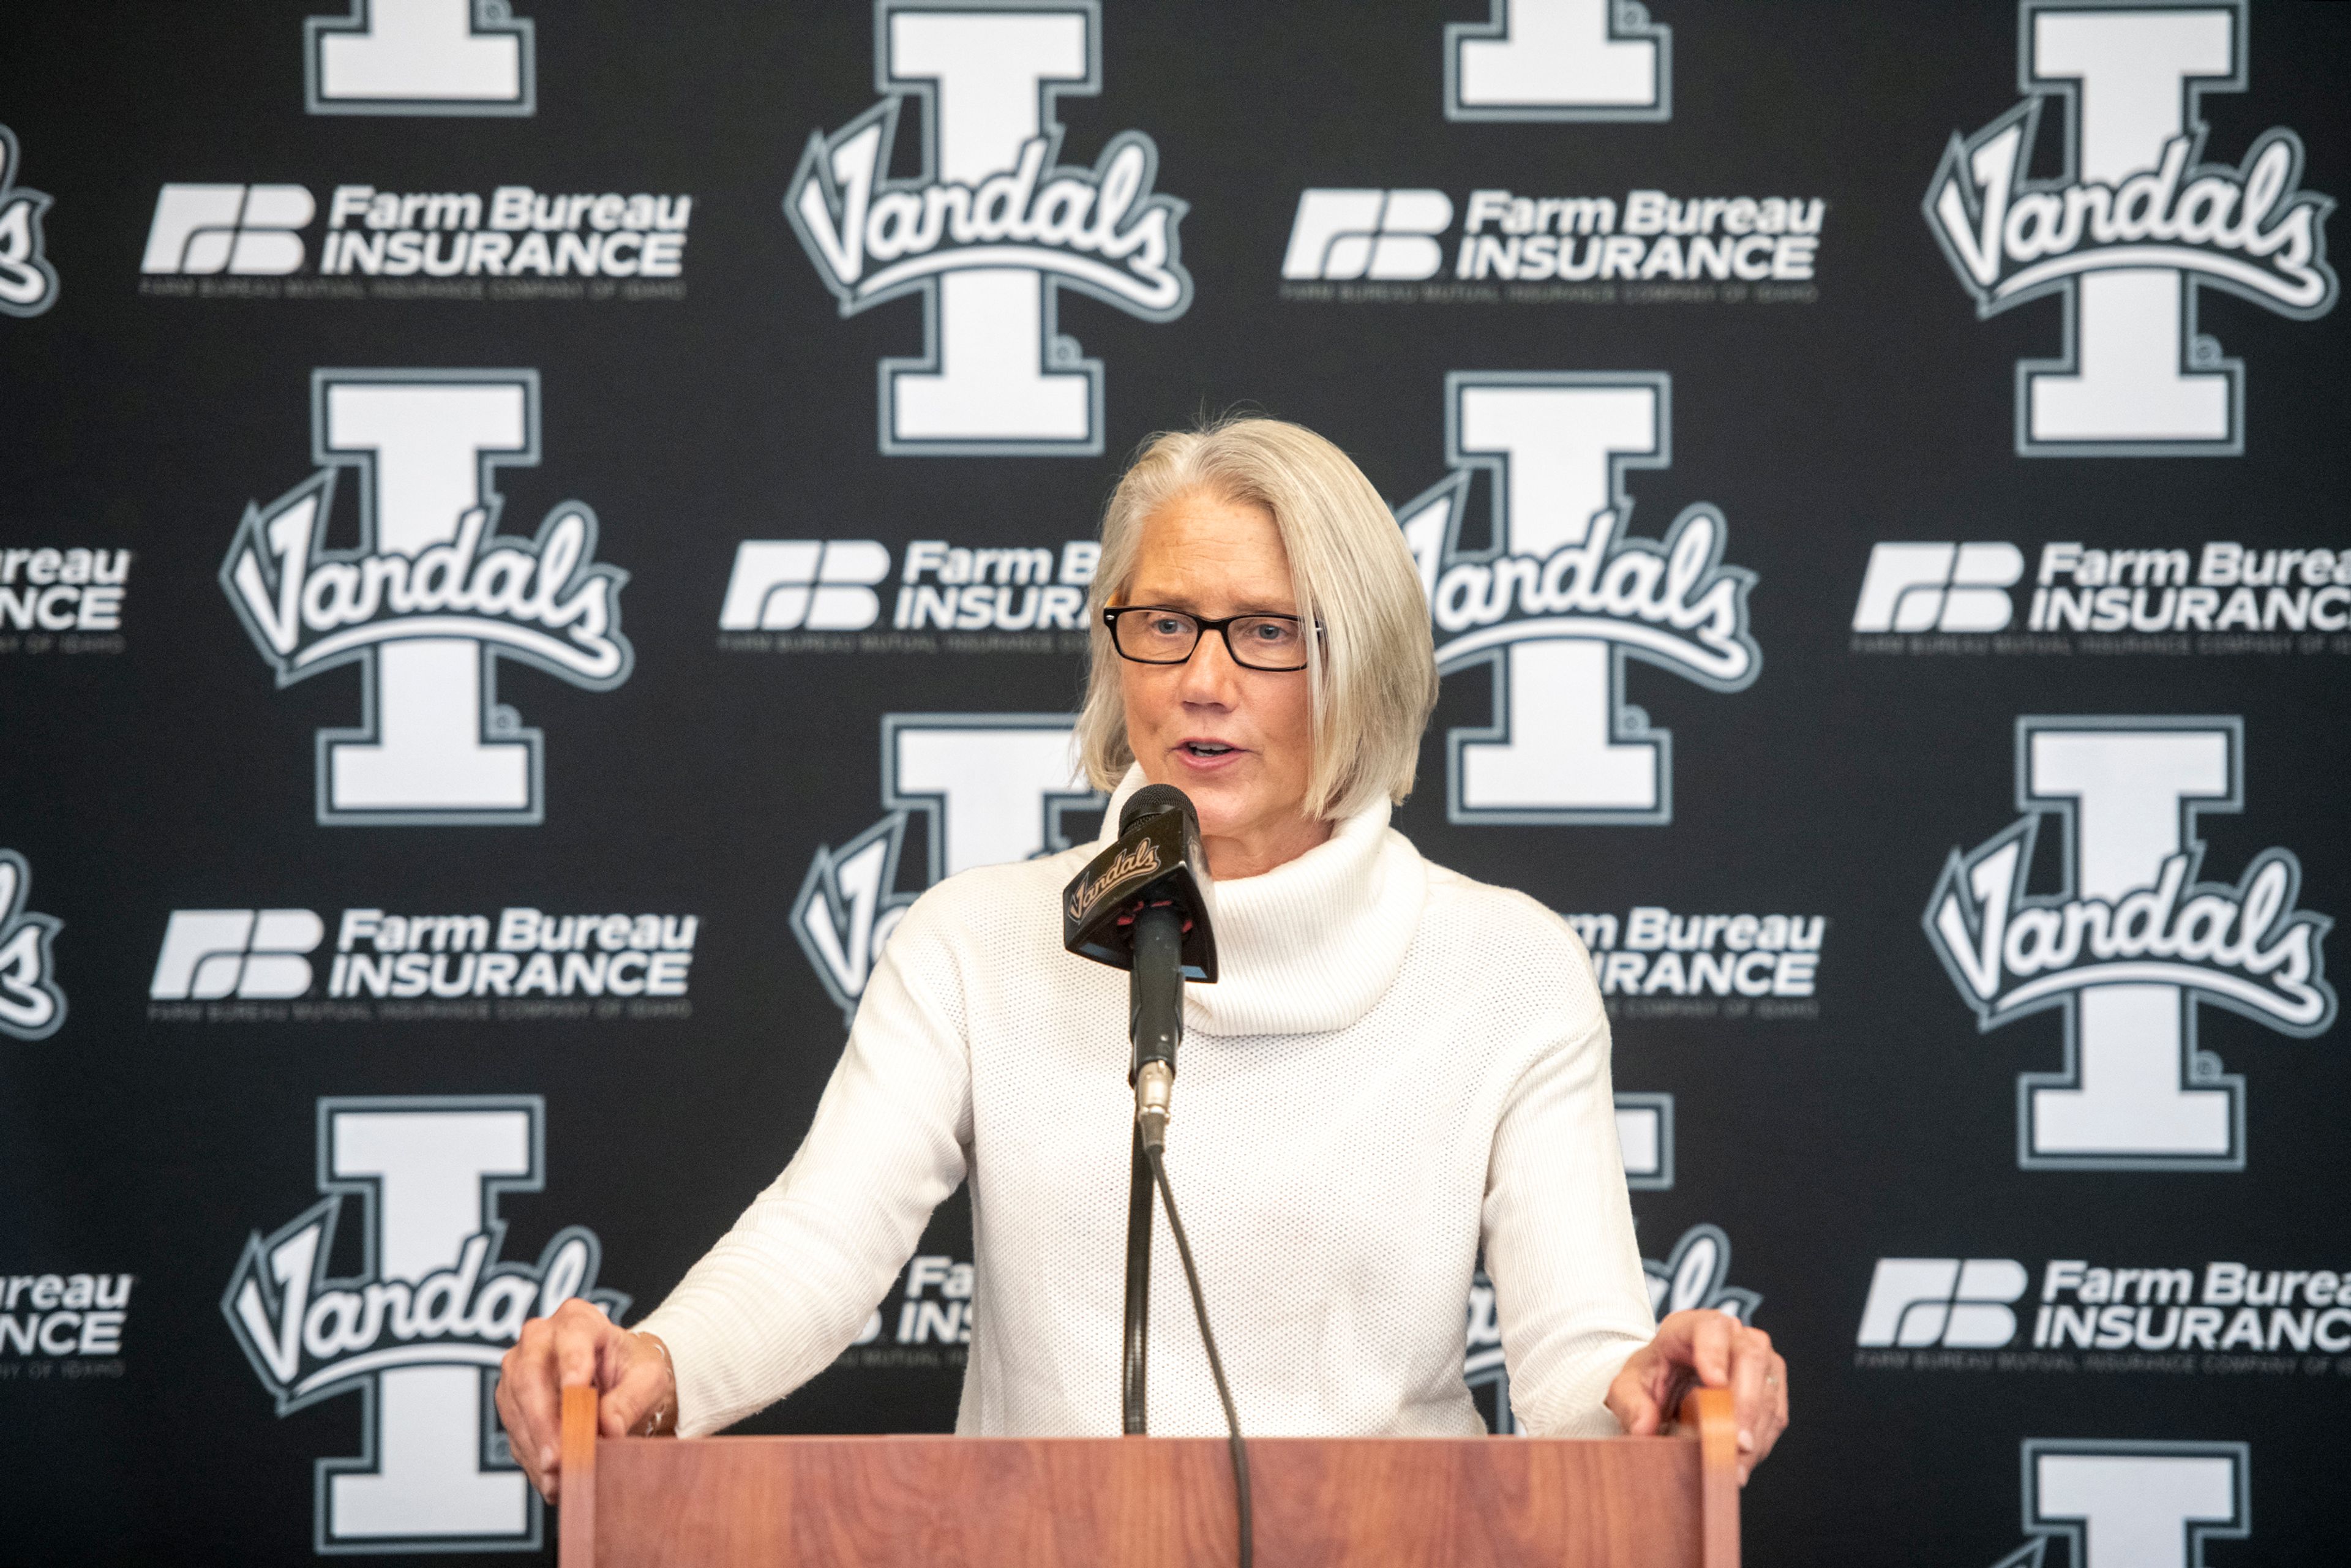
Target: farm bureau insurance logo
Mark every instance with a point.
(1377, 241)
(29, 284)
(419, 1330)
(1562, 596)
(1950, 596)
(1654, 963)
(255, 965)
(245, 241)
(1944, 1314)
(31, 1005)
(2131, 227)
(820, 595)
(68, 598)
(72, 1318)
(430, 597)
(2131, 942)
(992, 227)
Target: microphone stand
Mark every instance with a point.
(1138, 1292)
(1155, 1025)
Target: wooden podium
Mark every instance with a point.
(1150, 1502)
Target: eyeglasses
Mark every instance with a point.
(1152, 634)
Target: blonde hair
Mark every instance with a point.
(1373, 675)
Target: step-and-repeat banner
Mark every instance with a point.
(531, 530)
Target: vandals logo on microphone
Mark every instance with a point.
(1563, 597)
(430, 599)
(2133, 225)
(417, 1330)
(992, 227)
(2132, 943)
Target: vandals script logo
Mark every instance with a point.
(29, 284)
(430, 598)
(991, 228)
(2131, 942)
(991, 787)
(2133, 223)
(1141, 861)
(31, 1006)
(419, 1331)
(1562, 595)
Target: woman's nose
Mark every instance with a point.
(1209, 675)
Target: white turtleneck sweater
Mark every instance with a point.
(1396, 1066)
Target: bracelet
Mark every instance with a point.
(662, 1417)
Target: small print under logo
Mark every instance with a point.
(29, 284)
(993, 227)
(2132, 942)
(31, 1005)
(2132, 226)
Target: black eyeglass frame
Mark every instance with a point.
(1110, 612)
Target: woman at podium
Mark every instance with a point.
(1397, 1068)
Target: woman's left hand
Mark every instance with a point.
(1715, 1349)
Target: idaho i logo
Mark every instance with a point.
(2135, 221)
(2131, 944)
(430, 599)
(417, 1333)
(991, 229)
(1564, 596)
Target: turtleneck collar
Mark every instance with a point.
(1314, 943)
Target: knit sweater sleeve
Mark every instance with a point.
(1568, 1285)
(786, 1290)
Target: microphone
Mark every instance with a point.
(1145, 905)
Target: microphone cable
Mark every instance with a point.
(1215, 1363)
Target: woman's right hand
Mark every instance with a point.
(579, 1347)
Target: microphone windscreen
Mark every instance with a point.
(1151, 800)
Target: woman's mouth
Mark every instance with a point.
(1207, 753)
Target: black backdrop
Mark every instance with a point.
(166, 1082)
